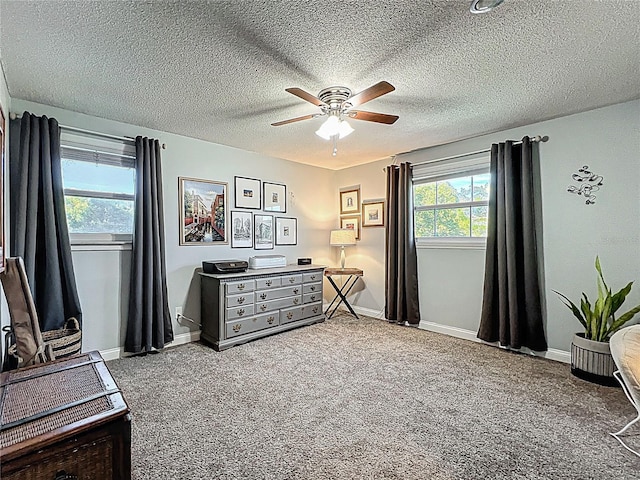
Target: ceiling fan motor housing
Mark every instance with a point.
(335, 98)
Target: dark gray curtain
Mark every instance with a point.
(149, 322)
(401, 281)
(511, 307)
(39, 232)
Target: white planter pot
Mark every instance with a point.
(592, 361)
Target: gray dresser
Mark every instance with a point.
(238, 307)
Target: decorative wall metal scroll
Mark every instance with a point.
(589, 183)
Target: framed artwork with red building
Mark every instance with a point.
(203, 211)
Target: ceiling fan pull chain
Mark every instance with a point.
(335, 145)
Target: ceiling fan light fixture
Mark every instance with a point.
(344, 129)
(334, 126)
(484, 6)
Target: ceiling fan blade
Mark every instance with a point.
(291, 120)
(298, 92)
(373, 117)
(370, 93)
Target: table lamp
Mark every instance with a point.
(342, 238)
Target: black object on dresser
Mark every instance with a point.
(64, 419)
(239, 307)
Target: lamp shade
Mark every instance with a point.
(343, 237)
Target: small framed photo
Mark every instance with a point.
(350, 201)
(203, 214)
(247, 192)
(286, 231)
(241, 229)
(352, 222)
(373, 213)
(263, 232)
(275, 197)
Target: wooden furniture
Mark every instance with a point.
(64, 419)
(341, 293)
(238, 307)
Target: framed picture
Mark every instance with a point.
(352, 222)
(2, 138)
(247, 192)
(350, 201)
(203, 214)
(263, 232)
(275, 197)
(286, 231)
(241, 229)
(373, 213)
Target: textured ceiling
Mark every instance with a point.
(217, 70)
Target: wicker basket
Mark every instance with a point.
(64, 342)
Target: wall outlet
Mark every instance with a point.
(178, 313)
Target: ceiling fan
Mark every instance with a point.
(337, 103)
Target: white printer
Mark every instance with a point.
(267, 261)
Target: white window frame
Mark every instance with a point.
(101, 150)
(438, 170)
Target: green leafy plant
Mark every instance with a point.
(599, 320)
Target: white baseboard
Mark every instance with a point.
(551, 354)
(111, 353)
(369, 312)
(115, 353)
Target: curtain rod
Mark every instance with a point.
(535, 139)
(14, 116)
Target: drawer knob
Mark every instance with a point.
(296, 290)
(291, 280)
(241, 286)
(263, 307)
(295, 301)
(312, 288)
(290, 315)
(269, 283)
(240, 312)
(270, 320)
(237, 327)
(315, 309)
(313, 277)
(241, 300)
(313, 297)
(263, 296)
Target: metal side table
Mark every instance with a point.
(341, 293)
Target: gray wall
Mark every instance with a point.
(103, 275)
(606, 139)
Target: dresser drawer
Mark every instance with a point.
(239, 300)
(264, 283)
(266, 295)
(311, 297)
(312, 288)
(278, 303)
(311, 277)
(240, 287)
(239, 312)
(253, 324)
(292, 279)
(288, 315)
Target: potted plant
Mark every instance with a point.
(590, 354)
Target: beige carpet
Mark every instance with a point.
(351, 399)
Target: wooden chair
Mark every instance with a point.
(625, 350)
(30, 346)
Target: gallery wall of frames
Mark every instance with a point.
(256, 221)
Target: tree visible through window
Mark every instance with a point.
(452, 207)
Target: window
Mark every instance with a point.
(451, 200)
(98, 175)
